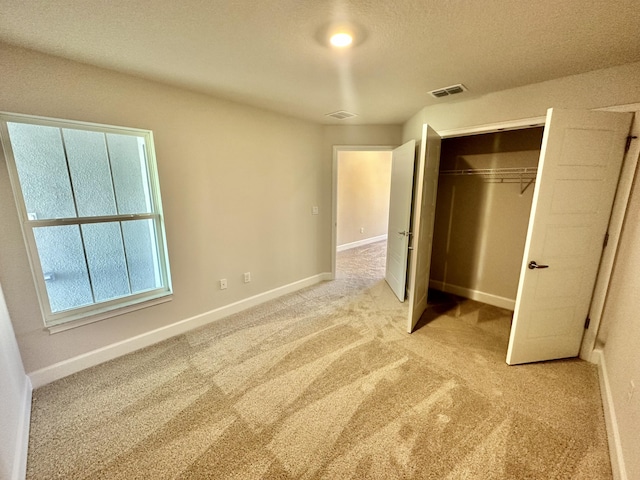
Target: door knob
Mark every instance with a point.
(406, 234)
(533, 264)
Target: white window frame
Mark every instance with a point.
(75, 317)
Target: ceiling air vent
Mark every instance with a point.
(341, 115)
(445, 92)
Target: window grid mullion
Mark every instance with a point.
(86, 220)
(164, 274)
(113, 183)
(126, 258)
(66, 162)
(86, 262)
(147, 179)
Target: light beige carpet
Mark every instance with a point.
(326, 384)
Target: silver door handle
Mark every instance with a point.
(533, 264)
(406, 234)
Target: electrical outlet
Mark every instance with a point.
(361, 229)
(247, 277)
(631, 391)
(223, 283)
(314, 210)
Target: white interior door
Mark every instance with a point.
(577, 177)
(402, 163)
(424, 210)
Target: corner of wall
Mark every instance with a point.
(412, 128)
(22, 441)
(611, 421)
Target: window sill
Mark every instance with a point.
(162, 298)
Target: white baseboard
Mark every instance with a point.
(22, 440)
(67, 367)
(611, 421)
(359, 243)
(477, 295)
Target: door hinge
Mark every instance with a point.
(587, 322)
(606, 240)
(628, 145)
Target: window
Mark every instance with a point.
(91, 215)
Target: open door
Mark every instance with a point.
(402, 163)
(425, 194)
(578, 173)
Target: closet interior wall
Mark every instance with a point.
(484, 200)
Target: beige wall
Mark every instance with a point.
(600, 88)
(620, 334)
(237, 183)
(13, 384)
(480, 227)
(364, 180)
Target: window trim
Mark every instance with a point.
(64, 320)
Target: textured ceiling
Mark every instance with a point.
(266, 53)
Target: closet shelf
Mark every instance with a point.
(523, 175)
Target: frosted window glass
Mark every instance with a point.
(142, 254)
(71, 175)
(42, 170)
(63, 265)
(129, 169)
(89, 166)
(105, 256)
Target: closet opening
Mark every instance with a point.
(485, 191)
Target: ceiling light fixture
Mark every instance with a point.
(341, 40)
(341, 35)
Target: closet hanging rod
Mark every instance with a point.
(494, 172)
(526, 176)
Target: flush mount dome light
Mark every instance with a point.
(340, 35)
(341, 40)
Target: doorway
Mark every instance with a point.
(361, 182)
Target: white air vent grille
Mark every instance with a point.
(341, 115)
(445, 92)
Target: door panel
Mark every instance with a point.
(578, 173)
(402, 163)
(425, 194)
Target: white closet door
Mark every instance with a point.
(402, 163)
(577, 177)
(425, 193)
